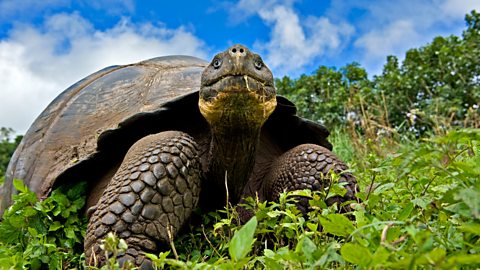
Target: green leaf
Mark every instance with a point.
(406, 211)
(356, 254)
(337, 224)
(122, 245)
(471, 228)
(55, 226)
(308, 247)
(471, 197)
(383, 188)
(20, 186)
(69, 232)
(421, 202)
(312, 226)
(272, 264)
(336, 190)
(437, 255)
(464, 259)
(32, 232)
(29, 211)
(380, 256)
(242, 240)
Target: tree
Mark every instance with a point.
(436, 87)
(328, 95)
(7, 147)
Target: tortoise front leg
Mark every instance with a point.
(308, 166)
(149, 198)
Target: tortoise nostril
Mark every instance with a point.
(238, 51)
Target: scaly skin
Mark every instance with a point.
(157, 186)
(153, 192)
(308, 166)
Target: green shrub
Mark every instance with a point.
(47, 234)
(7, 147)
(420, 208)
(435, 88)
(420, 199)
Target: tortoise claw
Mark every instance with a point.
(90, 211)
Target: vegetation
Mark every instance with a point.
(420, 208)
(437, 87)
(7, 146)
(50, 233)
(411, 136)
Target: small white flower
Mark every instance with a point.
(351, 115)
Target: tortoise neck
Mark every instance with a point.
(232, 156)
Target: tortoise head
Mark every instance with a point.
(237, 89)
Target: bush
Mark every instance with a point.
(420, 199)
(47, 234)
(437, 87)
(7, 147)
(420, 208)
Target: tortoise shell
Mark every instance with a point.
(85, 132)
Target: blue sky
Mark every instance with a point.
(47, 45)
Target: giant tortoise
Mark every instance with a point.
(158, 138)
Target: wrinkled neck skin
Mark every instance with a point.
(235, 124)
(237, 96)
(232, 156)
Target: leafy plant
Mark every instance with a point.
(420, 211)
(47, 234)
(420, 194)
(437, 87)
(7, 147)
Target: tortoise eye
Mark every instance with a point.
(258, 64)
(216, 63)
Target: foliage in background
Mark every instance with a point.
(43, 235)
(7, 147)
(420, 208)
(420, 195)
(435, 88)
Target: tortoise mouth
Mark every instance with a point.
(238, 100)
(227, 76)
(237, 84)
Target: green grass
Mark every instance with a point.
(343, 146)
(420, 209)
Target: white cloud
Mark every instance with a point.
(293, 42)
(458, 8)
(369, 30)
(378, 28)
(37, 63)
(247, 8)
(393, 39)
(391, 29)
